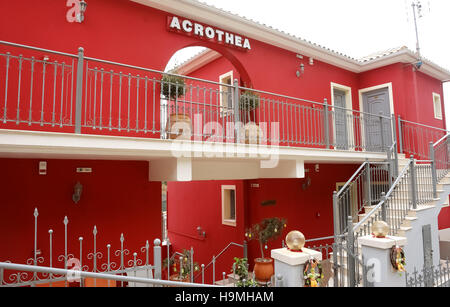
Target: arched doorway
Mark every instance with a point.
(200, 83)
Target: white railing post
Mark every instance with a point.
(157, 258)
(79, 90)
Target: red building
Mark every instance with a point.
(100, 116)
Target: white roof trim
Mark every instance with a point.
(196, 62)
(210, 15)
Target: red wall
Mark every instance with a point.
(199, 204)
(117, 197)
(194, 204)
(444, 218)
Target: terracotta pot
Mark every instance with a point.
(252, 133)
(263, 269)
(180, 132)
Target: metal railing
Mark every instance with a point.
(440, 155)
(415, 138)
(67, 275)
(413, 187)
(96, 260)
(215, 258)
(76, 93)
(362, 190)
(435, 276)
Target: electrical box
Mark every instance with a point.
(43, 168)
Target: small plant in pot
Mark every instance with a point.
(267, 230)
(181, 272)
(248, 102)
(173, 87)
(240, 268)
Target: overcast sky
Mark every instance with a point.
(355, 27)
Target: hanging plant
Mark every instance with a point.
(172, 86)
(313, 273)
(249, 101)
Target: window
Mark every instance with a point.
(437, 106)
(229, 205)
(226, 93)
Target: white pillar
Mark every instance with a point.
(290, 265)
(376, 252)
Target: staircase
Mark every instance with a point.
(413, 200)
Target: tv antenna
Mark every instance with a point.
(418, 13)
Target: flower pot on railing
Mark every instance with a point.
(248, 102)
(252, 133)
(179, 124)
(180, 127)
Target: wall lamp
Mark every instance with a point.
(201, 232)
(77, 190)
(83, 6)
(301, 71)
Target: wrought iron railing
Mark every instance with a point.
(362, 190)
(96, 260)
(214, 259)
(76, 93)
(415, 138)
(435, 276)
(413, 187)
(440, 155)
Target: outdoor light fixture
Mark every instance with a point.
(201, 232)
(83, 6)
(77, 190)
(301, 71)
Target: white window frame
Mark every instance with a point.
(348, 104)
(225, 221)
(224, 104)
(437, 111)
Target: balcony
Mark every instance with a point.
(58, 104)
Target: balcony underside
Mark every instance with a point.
(178, 160)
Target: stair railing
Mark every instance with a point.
(440, 157)
(363, 189)
(412, 188)
(214, 260)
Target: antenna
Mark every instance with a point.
(417, 10)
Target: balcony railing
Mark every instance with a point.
(47, 90)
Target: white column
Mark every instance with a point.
(377, 252)
(290, 265)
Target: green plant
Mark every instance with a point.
(267, 230)
(172, 86)
(248, 102)
(240, 268)
(185, 270)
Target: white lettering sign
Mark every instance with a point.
(189, 27)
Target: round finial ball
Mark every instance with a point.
(295, 240)
(380, 229)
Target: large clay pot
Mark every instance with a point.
(252, 133)
(180, 132)
(263, 269)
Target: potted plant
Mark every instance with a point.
(173, 87)
(181, 273)
(240, 268)
(267, 230)
(248, 102)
